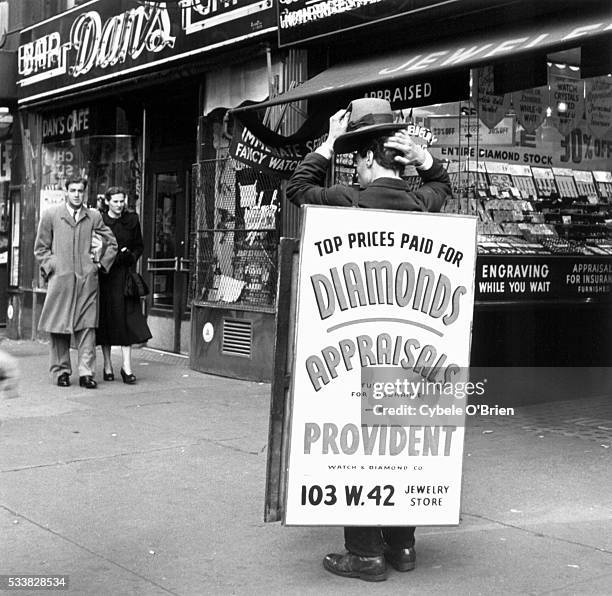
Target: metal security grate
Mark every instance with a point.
(236, 235)
(237, 337)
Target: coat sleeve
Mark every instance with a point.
(137, 245)
(306, 185)
(43, 245)
(109, 240)
(436, 188)
(133, 246)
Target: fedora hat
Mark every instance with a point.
(368, 117)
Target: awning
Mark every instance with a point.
(436, 58)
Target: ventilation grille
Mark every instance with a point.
(237, 337)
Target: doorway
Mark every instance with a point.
(170, 124)
(168, 262)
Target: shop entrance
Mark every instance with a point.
(168, 263)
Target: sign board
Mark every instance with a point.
(422, 91)
(281, 161)
(580, 150)
(530, 106)
(66, 124)
(566, 100)
(379, 376)
(511, 279)
(104, 39)
(50, 198)
(489, 106)
(302, 20)
(598, 101)
(455, 131)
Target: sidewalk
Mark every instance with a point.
(158, 488)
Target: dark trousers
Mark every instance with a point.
(367, 541)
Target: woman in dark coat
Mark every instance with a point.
(121, 322)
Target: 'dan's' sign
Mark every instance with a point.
(103, 39)
(379, 379)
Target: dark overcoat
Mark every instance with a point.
(306, 187)
(63, 249)
(121, 321)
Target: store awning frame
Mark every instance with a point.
(439, 57)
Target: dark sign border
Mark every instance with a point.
(350, 19)
(568, 277)
(48, 50)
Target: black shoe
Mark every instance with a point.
(63, 380)
(370, 569)
(88, 382)
(402, 559)
(128, 379)
(108, 376)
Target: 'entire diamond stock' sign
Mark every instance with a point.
(380, 370)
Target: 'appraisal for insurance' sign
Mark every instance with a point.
(384, 314)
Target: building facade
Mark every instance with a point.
(153, 96)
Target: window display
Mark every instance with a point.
(85, 142)
(536, 193)
(237, 234)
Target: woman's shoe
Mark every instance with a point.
(108, 376)
(128, 379)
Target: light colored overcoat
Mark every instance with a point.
(63, 248)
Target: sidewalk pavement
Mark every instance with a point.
(158, 488)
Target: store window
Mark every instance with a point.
(534, 165)
(83, 142)
(237, 218)
(98, 143)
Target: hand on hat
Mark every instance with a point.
(414, 155)
(337, 126)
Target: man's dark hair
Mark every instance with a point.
(384, 156)
(115, 190)
(76, 180)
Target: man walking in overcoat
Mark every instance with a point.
(64, 249)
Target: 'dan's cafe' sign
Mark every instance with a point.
(103, 39)
(379, 377)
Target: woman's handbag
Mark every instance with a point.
(135, 285)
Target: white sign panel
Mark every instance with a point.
(50, 198)
(379, 383)
(598, 105)
(490, 107)
(452, 130)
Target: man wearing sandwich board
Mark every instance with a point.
(382, 149)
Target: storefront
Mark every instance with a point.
(127, 93)
(8, 98)
(138, 94)
(521, 112)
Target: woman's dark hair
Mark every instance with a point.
(115, 190)
(384, 156)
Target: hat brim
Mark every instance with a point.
(351, 141)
